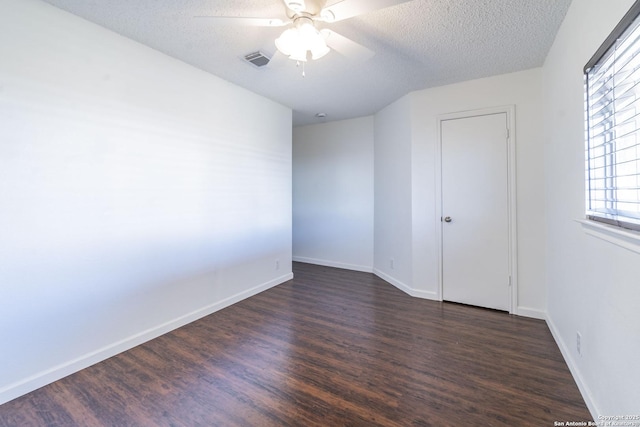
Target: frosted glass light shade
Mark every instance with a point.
(287, 41)
(319, 49)
(297, 42)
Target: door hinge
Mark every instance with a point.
(509, 280)
(508, 133)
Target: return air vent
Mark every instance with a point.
(257, 59)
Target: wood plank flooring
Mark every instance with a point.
(329, 348)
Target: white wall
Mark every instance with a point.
(136, 194)
(523, 90)
(333, 194)
(593, 285)
(392, 206)
(406, 218)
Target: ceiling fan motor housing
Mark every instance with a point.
(310, 7)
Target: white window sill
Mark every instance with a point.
(624, 238)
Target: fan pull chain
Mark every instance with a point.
(298, 65)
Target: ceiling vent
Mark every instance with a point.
(258, 59)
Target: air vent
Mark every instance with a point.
(258, 59)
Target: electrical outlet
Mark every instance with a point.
(579, 343)
(392, 263)
(277, 264)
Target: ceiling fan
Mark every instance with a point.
(303, 39)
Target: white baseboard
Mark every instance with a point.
(327, 263)
(405, 288)
(55, 373)
(531, 312)
(575, 372)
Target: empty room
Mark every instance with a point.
(319, 213)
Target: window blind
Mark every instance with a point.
(612, 98)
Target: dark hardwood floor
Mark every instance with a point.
(329, 348)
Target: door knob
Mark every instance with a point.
(447, 219)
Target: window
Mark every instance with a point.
(612, 102)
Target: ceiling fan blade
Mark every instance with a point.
(346, 47)
(251, 22)
(349, 8)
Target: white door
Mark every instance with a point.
(475, 211)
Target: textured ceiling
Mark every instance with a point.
(417, 44)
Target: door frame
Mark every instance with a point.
(509, 110)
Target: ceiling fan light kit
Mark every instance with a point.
(301, 40)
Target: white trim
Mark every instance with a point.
(55, 373)
(335, 264)
(509, 110)
(575, 372)
(531, 312)
(618, 236)
(406, 288)
(438, 209)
